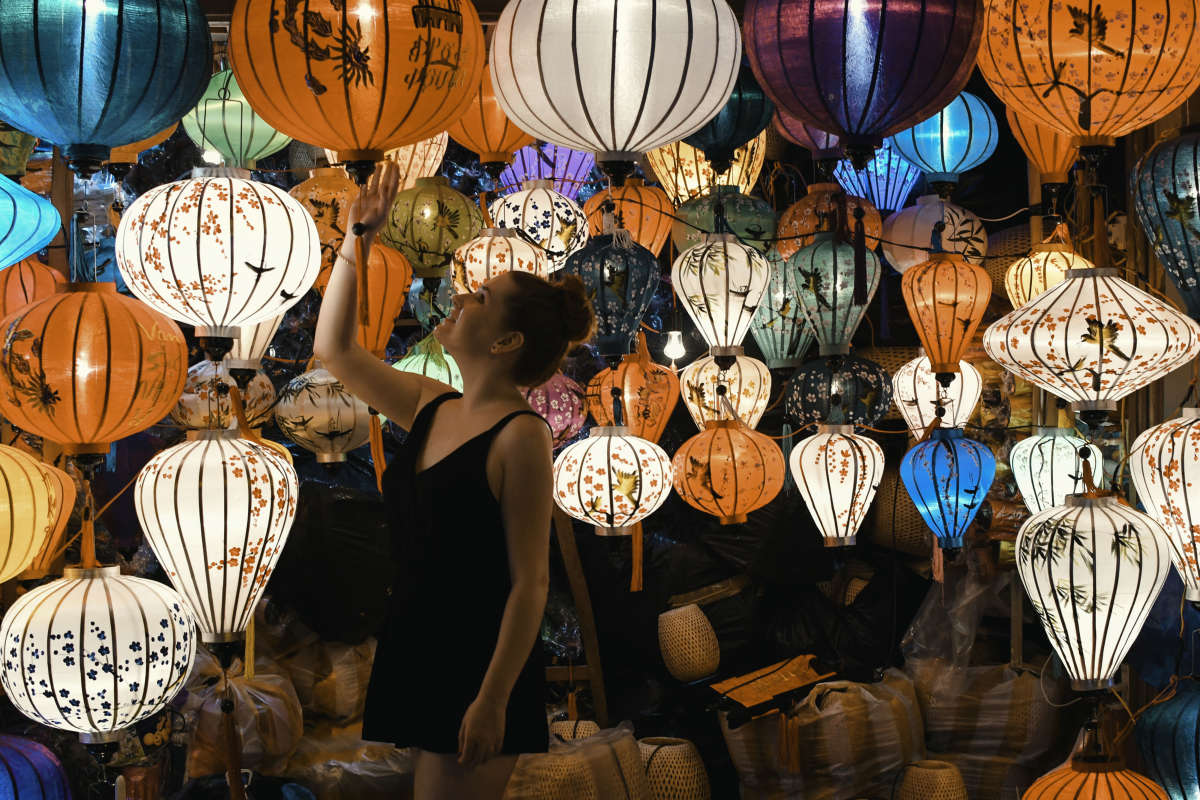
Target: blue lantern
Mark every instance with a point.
(959, 137)
(569, 169)
(838, 390)
(1166, 186)
(29, 771)
(620, 276)
(1168, 734)
(886, 181)
(89, 75)
(744, 116)
(28, 222)
(948, 476)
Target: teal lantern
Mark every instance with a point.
(825, 272)
(89, 75)
(620, 276)
(28, 222)
(780, 328)
(223, 121)
(1168, 734)
(1166, 188)
(959, 137)
(750, 219)
(744, 116)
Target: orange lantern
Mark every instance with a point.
(87, 366)
(946, 298)
(360, 78)
(62, 503)
(648, 393)
(1048, 149)
(128, 153)
(798, 225)
(25, 282)
(487, 130)
(327, 195)
(728, 470)
(1094, 772)
(645, 212)
(389, 275)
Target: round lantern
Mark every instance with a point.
(946, 298)
(933, 224)
(948, 476)
(750, 219)
(1047, 467)
(116, 649)
(1092, 340)
(686, 172)
(216, 510)
(252, 344)
(88, 77)
(612, 479)
(1043, 269)
(30, 771)
(620, 277)
(549, 219)
(15, 149)
(427, 357)
(821, 144)
(1092, 73)
(780, 327)
(919, 395)
(826, 290)
(886, 181)
(745, 115)
(728, 470)
(839, 390)
(1092, 570)
(798, 225)
(62, 502)
(567, 169)
(1103, 779)
(206, 251)
(204, 405)
(428, 223)
(223, 121)
(863, 71)
(688, 643)
(645, 211)
(956, 139)
(389, 277)
(745, 384)
(315, 411)
(559, 401)
(108, 367)
(1166, 185)
(639, 78)
(837, 472)
(492, 252)
(25, 282)
(647, 393)
(129, 153)
(1168, 735)
(485, 129)
(29, 498)
(721, 283)
(1048, 149)
(358, 78)
(28, 222)
(327, 196)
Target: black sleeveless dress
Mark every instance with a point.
(447, 602)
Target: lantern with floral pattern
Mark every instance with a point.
(837, 472)
(612, 479)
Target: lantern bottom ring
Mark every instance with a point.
(243, 363)
(1092, 684)
(736, 519)
(952, 542)
(1093, 405)
(216, 332)
(626, 530)
(840, 541)
(101, 737)
(222, 637)
(330, 458)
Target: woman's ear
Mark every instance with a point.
(513, 340)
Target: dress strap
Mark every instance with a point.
(509, 417)
(426, 413)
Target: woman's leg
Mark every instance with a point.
(441, 777)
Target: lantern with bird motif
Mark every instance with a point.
(912, 235)
(946, 298)
(919, 395)
(620, 277)
(712, 391)
(644, 211)
(724, 210)
(645, 391)
(1047, 466)
(728, 470)
(544, 217)
(327, 196)
(612, 479)
(721, 283)
(428, 223)
(798, 225)
(780, 327)
(828, 288)
(948, 476)
(1166, 185)
(315, 411)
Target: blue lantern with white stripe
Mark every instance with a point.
(886, 181)
(948, 476)
(28, 222)
(959, 137)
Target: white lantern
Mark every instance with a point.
(837, 472)
(218, 253)
(427, 357)
(96, 651)
(217, 510)
(919, 395)
(1092, 570)
(1164, 464)
(547, 218)
(746, 384)
(315, 411)
(616, 79)
(1092, 340)
(204, 404)
(1043, 269)
(252, 343)
(493, 251)
(910, 234)
(1047, 466)
(721, 283)
(612, 479)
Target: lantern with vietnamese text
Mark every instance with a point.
(728, 470)
(837, 472)
(315, 411)
(948, 476)
(707, 386)
(612, 479)
(547, 218)
(223, 121)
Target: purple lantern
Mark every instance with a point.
(822, 145)
(560, 402)
(569, 169)
(29, 771)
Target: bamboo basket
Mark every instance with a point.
(571, 729)
(931, 780)
(894, 522)
(674, 769)
(688, 643)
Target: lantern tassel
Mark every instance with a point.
(247, 432)
(572, 704)
(635, 578)
(1089, 481)
(933, 425)
(937, 563)
(248, 658)
(377, 456)
(860, 258)
(360, 264)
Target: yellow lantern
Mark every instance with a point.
(685, 172)
(26, 494)
(1044, 268)
(418, 160)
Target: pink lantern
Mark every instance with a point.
(560, 402)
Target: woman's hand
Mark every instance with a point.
(482, 732)
(374, 202)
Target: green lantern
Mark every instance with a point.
(15, 150)
(428, 223)
(223, 121)
(750, 219)
(427, 357)
(825, 270)
(780, 327)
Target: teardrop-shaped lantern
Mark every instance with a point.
(839, 390)
(752, 220)
(28, 222)
(886, 181)
(837, 472)
(223, 121)
(686, 172)
(389, 277)
(620, 277)
(746, 114)
(721, 283)
(728, 470)
(1048, 149)
(822, 144)
(946, 298)
(645, 211)
(27, 281)
(1168, 736)
(612, 479)
(1047, 466)
(327, 196)
(568, 170)
(1166, 186)
(780, 327)
(948, 477)
(912, 234)
(798, 225)
(559, 401)
(427, 357)
(1045, 267)
(205, 405)
(919, 395)
(1092, 570)
(485, 129)
(492, 252)
(825, 294)
(956, 139)
(547, 218)
(31, 771)
(647, 392)
(707, 385)
(428, 223)
(315, 411)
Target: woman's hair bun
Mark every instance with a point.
(579, 320)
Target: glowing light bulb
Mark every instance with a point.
(674, 348)
(211, 157)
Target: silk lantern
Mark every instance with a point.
(1044, 268)
(29, 498)
(90, 76)
(886, 181)
(389, 277)
(620, 277)
(486, 130)
(30, 771)
(1165, 185)
(1049, 150)
(28, 222)
(912, 234)
(721, 283)
(1092, 570)
(645, 391)
(567, 169)
(413, 161)
(252, 344)
(837, 473)
(492, 252)
(958, 138)
(946, 298)
(88, 366)
(427, 357)
(205, 405)
(615, 80)
(821, 144)
(706, 387)
(644, 211)
(116, 649)
(547, 218)
(62, 503)
(1168, 735)
(780, 328)
(826, 290)
(728, 470)
(217, 510)
(864, 71)
(799, 223)
(327, 196)
(315, 411)
(428, 222)
(559, 401)
(218, 252)
(746, 114)
(750, 219)
(430, 300)
(612, 479)
(1047, 466)
(25, 282)
(919, 395)
(1107, 779)
(128, 154)
(686, 172)
(839, 390)
(15, 149)
(223, 121)
(1092, 340)
(359, 79)
(948, 477)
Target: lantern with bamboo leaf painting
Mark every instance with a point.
(612, 479)
(745, 115)
(315, 411)
(886, 181)
(427, 357)
(1049, 150)
(946, 298)
(567, 169)
(822, 144)
(205, 403)
(837, 472)
(428, 223)
(492, 252)
(720, 284)
(728, 470)
(798, 225)
(1048, 466)
(26, 281)
(485, 129)
(389, 277)
(327, 196)
(933, 224)
(620, 277)
(1044, 268)
(31, 771)
(223, 121)
(646, 392)
(28, 495)
(545, 217)
(750, 219)
(948, 477)
(958, 138)
(28, 222)
(838, 390)
(919, 395)
(780, 327)
(559, 401)
(1166, 185)
(832, 293)
(15, 149)
(686, 172)
(644, 211)
(62, 503)
(706, 387)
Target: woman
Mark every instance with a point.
(456, 673)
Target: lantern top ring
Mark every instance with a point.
(507, 233)
(1092, 272)
(1093, 685)
(221, 172)
(844, 430)
(98, 287)
(722, 423)
(610, 430)
(213, 434)
(1090, 501)
(715, 238)
(88, 573)
(537, 183)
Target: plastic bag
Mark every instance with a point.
(336, 764)
(604, 766)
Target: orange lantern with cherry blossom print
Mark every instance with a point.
(645, 211)
(728, 470)
(389, 275)
(798, 225)
(946, 298)
(26, 281)
(647, 392)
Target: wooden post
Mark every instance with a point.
(62, 194)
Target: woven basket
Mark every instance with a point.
(931, 780)
(606, 767)
(674, 769)
(688, 643)
(894, 522)
(571, 729)
(891, 359)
